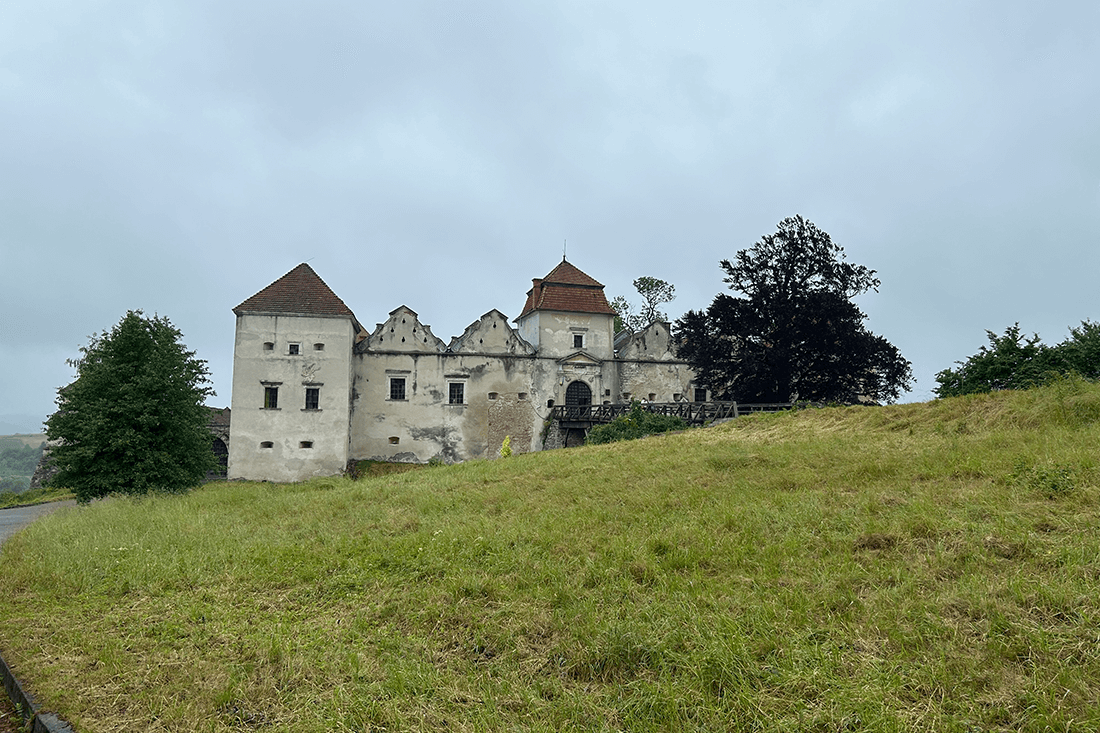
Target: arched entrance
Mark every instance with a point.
(578, 393)
(221, 453)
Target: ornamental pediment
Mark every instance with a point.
(579, 359)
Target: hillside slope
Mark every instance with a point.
(917, 567)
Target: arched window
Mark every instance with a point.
(221, 452)
(578, 393)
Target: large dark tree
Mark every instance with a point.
(793, 333)
(133, 420)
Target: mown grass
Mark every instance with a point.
(10, 499)
(930, 567)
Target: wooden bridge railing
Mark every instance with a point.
(693, 413)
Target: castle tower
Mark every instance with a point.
(292, 379)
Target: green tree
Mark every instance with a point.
(794, 333)
(1016, 361)
(654, 293)
(1081, 351)
(1010, 361)
(133, 420)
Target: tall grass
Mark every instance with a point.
(916, 567)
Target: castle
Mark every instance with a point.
(312, 389)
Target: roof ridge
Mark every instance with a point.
(300, 292)
(567, 289)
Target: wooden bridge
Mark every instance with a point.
(693, 413)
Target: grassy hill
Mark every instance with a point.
(926, 567)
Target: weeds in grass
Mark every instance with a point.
(1048, 480)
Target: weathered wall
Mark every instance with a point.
(507, 384)
(552, 333)
(303, 442)
(501, 395)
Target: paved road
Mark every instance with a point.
(12, 520)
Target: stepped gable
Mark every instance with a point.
(300, 292)
(566, 289)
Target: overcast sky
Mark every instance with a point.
(177, 157)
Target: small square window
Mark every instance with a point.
(271, 398)
(394, 440)
(457, 393)
(313, 398)
(267, 444)
(523, 395)
(700, 395)
(397, 388)
(305, 444)
(578, 341)
(318, 347)
(652, 397)
(294, 349)
(269, 345)
(492, 395)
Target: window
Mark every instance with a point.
(523, 395)
(305, 444)
(269, 345)
(700, 395)
(652, 397)
(318, 347)
(578, 341)
(267, 444)
(313, 398)
(397, 388)
(294, 349)
(394, 440)
(492, 395)
(271, 398)
(457, 393)
(676, 397)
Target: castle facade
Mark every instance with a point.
(313, 389)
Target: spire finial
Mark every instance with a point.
(564, 247)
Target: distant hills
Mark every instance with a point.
(21, 424)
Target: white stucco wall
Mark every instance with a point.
(290, 425)
(552, 333)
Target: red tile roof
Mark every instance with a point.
(299, 292)
(566, 289)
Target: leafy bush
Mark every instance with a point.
(1050, 480)
(637, 424)
(1016, 361)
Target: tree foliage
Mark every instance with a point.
(793, 333)
(133, 420)
(1015, 361)
(654, 293)
(638, 423)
